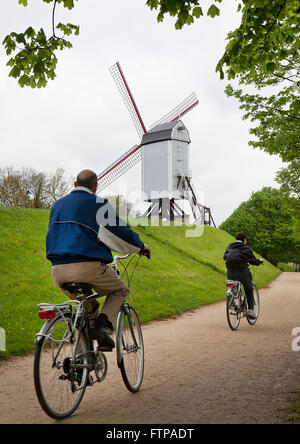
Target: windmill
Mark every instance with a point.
(168, 137)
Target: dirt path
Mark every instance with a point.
(197, 371)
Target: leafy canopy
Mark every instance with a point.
(289, 179)
(264, 52)
(184, 11)
(268, 224)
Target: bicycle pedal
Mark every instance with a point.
(104, 348)
(90, 381)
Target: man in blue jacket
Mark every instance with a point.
(83, 229)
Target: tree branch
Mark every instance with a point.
(275, 20)
(282, 112)
(53, 18)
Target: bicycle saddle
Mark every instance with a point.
(75, 287)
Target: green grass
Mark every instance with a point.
(295, 408)
(184, 273)
(291, 414)
(285, 267)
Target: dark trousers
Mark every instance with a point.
(245, 277)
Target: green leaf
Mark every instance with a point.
(42, 83)
(213, 11)
(68, 4)
(15, 72)
(24, 80)
(32, 82)
(271, 67)
(30, 32)
(197, 12)
(23, 2)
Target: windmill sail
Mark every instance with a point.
(119, 167)
(123, 87)
(184, 107)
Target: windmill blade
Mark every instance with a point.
(184, 107)
(119, 167)
(123, 87)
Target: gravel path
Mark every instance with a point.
(197, 371)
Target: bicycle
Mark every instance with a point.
(237, 305)
(65, 355)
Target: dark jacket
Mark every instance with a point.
(84, 227)
(238, 256)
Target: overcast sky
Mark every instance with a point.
(80, 121)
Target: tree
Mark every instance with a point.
(12, 193)
(268, 224)
(29, 188)
(34, 183)
(264, 52)
(289, 178)
(58, 185)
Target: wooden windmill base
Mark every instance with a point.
(166, 209)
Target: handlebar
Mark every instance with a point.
(117, 259)
(144, 252)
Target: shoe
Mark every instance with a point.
(103, 320)
(251, 315)
(102, 331)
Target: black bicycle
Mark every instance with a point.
(66, 361)
(237, 305)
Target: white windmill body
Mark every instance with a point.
(165, 160)
(164, 152)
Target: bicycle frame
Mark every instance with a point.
(235, 290)
(77, 307)
(71, 355)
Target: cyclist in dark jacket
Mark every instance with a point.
(238, 256)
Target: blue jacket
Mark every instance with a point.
(84, 227)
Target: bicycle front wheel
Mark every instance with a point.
(130, 349)
(256, 308)
(60, 378)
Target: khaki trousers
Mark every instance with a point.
(104, 280)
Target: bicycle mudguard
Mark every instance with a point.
(42, 333)
(119, 352)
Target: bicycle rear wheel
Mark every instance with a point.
(130, 348)
(256, 308)
(59, 382)
(233, 310)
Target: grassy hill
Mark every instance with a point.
(184, 273)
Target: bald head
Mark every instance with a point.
(87, 179)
